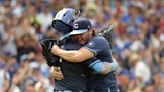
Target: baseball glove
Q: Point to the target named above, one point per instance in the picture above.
(52, 60)
(108, 36)
(107, 33)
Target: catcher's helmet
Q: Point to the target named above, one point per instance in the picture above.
(64, 19)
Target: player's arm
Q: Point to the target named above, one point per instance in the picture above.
(104, 67)
(82, 55)
(74, 55)
(86, 52)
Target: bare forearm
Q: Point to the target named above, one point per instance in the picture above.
(71, 56)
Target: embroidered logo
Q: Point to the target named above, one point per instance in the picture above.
(76, 26)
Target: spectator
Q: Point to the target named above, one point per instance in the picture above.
(139, 68)
(45, 18)
(15, 81)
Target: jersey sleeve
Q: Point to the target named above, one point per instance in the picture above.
(96, 45)
(94, 64)
(90, 61)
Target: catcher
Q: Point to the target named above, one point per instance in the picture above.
(93, 46)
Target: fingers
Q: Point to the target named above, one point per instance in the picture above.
(56, 73)
(55, 49)
(115, 64)
(114, 60)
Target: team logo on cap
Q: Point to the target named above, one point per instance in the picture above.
(76, 26)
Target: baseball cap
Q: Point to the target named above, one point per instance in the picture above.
(80, 25)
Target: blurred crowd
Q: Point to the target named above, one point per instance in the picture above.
(138, 41)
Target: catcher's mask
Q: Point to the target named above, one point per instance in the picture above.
(61, 27)
(64, 19)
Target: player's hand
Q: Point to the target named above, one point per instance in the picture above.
(56, 73)
(115, 64)
(55, 49)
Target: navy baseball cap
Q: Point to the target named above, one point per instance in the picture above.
(80, 25)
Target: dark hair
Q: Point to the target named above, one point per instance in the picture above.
(93, 33)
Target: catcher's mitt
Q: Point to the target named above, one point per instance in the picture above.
(108, 36)
(52, 60)
(107, 33)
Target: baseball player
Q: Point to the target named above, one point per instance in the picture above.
(93, 46)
